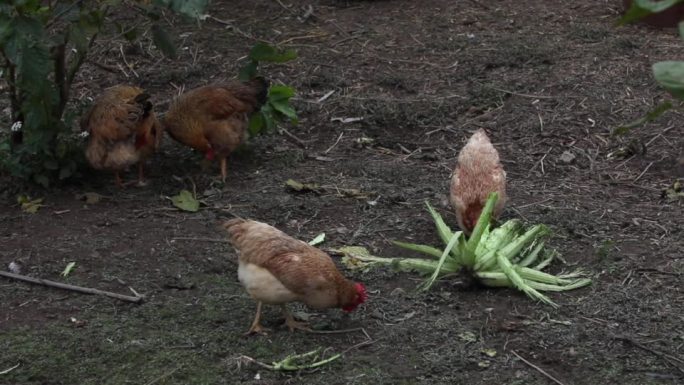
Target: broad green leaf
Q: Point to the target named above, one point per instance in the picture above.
(249, 71)
(67, 270)
(78, 37)
(191, 8)
(642, 8)
(256, 123)
(651, 115)
(163, 41)
(43, 181)
(267, 114)
(319, 239)
(185, 201)
(66, 171)
(51, 164)
(29, 205)
(280, 92)
(285, 109)
(670, 75)
(264, 52)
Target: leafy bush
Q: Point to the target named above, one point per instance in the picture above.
(42, 48)
(277, 107)
(669, 74)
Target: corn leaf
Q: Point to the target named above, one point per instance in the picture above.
(485, 258)
(429, 250)
(531, 256)
(482, 224)
(419, 265)
(443, 230)
(452, 242)
(319, 239)
(67, 270)
(570, 286)
(518, 282)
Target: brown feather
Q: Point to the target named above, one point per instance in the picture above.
(307, 272)
(478, 173)
(214, 118)
(123, 129)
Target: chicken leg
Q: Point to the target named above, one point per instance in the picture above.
(117, 180)
(224, 169)
(256, 327)
(292, 324)
(141, 175)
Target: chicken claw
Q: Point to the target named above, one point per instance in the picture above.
(256, 327)
(292, 324)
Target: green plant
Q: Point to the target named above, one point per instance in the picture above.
(277, 107)
(505, 256)
(43, 45)
(669, 74)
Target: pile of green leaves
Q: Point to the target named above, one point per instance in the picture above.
(277, 107)
(669, 74)
(506, 256)
(42, 48)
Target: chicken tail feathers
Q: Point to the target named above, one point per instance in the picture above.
(254, 92)
(143, 100)
(261, 85)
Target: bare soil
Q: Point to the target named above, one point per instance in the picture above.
(548, 80)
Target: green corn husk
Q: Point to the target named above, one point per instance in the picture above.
(499, 279)
(418, 265)
(542, 265)
(518, 282)
(499, 257)
(499, 237)
(425, 249)
(443, 230)
(531, 256)
(438, 270)
(482, 224)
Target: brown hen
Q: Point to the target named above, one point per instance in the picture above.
(123, 130)
(478, 173)
(276, 269)
(213, 119)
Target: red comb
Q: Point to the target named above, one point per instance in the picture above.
(361, 290)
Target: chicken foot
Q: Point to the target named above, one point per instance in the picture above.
(141, 174)
(291, 323)
(256, 327)
(117, 180)
(140, 182)
(224, 169)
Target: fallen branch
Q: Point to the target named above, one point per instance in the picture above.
(537, 368)
(667, 357)
(78, 289)
(10, 369)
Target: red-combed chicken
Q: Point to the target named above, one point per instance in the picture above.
(213, 119)
(123, 130)
(276, 269)
(478, 173)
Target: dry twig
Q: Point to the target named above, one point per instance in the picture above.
(78, 289)
(667, 357)
(537, 368)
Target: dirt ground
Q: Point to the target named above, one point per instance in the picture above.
(548, 80)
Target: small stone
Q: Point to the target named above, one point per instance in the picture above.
(567, 157)
(14, 268)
